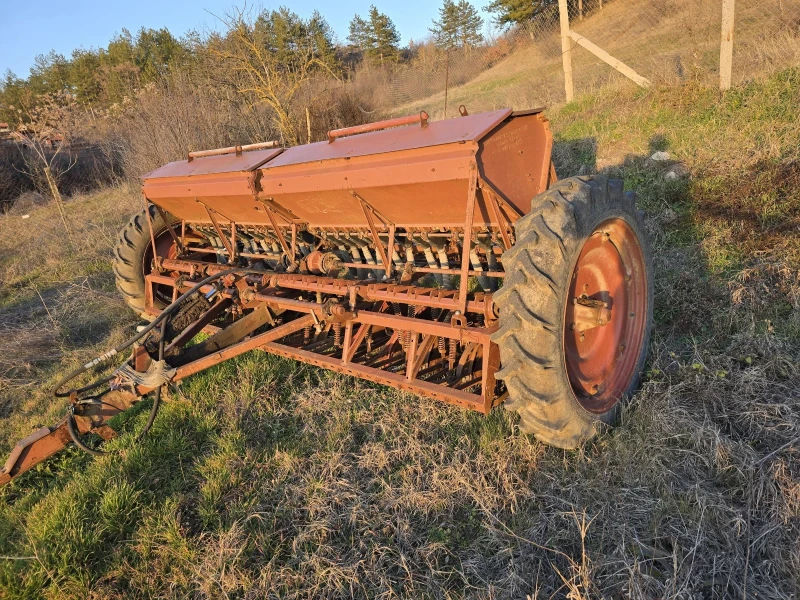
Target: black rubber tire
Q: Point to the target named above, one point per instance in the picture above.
(539, 268)
(132, 246)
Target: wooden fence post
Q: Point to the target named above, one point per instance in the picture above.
(566, 48)
(726, 45)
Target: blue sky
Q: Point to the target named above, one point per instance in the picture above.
(32, 27)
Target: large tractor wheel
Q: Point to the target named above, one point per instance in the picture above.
(576, 309)
(133, 257)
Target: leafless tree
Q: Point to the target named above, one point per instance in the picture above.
(270, 68)
(44, 139)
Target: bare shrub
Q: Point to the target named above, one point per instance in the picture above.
(165, 121)
(12, 181)
(331, 104)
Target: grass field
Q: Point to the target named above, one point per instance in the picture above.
(266, 478)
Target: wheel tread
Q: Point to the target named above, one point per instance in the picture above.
(128, 254)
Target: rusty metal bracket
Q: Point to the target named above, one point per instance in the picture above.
(273, 221)
(293, 265)
(152, 233)
(229, 244)
(285, 213)
(170, 229)
(512, 214)
(551, 175)
(351, 345)
(493, 203)
(369, 213)
(417, 359)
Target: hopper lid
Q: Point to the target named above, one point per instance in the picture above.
(447, 131)
(222, 163)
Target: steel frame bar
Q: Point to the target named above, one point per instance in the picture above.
(480, 303)
(423, 388)
(423, 269)
(170, 229)
(466, 243)
(230, 335)
(237, 349)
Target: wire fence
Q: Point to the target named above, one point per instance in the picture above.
(666, 42)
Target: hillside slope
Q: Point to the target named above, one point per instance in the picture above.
(673, 42)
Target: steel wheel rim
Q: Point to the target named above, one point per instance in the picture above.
(601, 361)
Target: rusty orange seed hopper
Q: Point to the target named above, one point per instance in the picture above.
(438, 257)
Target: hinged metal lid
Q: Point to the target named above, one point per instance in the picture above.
(447, 131)
(224, 163)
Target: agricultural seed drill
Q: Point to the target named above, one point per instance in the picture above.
(442, 258)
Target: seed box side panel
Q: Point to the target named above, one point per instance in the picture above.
(515, 158)
(422, 187)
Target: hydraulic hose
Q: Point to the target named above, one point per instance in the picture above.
(73, 433)
(128, 343)
(161, 319)
(157, 395)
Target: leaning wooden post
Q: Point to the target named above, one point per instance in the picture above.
(608, 59)
(566, 49)
(726, 45)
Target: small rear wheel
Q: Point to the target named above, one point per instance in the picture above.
(575, 309)
(133, 257)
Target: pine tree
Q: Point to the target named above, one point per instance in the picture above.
(376, 35)
(458, 26)
(291, 37)
(382, 37)
(359, 33)
(470, 23)
(510, 12)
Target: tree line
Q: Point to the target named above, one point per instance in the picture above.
(267, 74)
(107, 76)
